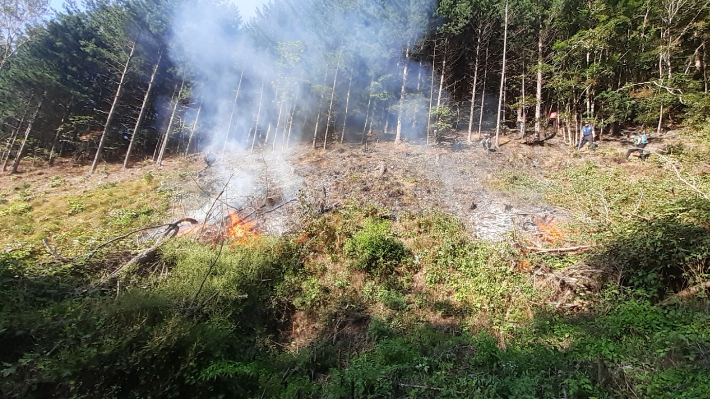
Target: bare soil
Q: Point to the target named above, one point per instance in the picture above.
(409, 177)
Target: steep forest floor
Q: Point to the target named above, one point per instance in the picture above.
(365, 271)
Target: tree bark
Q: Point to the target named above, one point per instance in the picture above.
(483, 92)
(12, 142)
(347, 105)
(538, 91)
(111, 112)
(367, 115)
(268, 129)
(398, 135)
(475, 82)
(59, 129)
(502, 74)
(170, 125)
(192, 130)
(523, 108)
(141, 114)
(258, 112)
(315, 131)
(287, 137)
(21, 151)
(441, 83)
(330, 108)
(231, 115)
(278, 124)
(431, 97)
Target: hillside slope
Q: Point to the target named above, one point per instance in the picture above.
(378, 271)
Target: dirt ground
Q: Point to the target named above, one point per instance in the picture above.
(449, 177)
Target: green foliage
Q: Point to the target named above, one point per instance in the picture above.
(131, 216)
(75, 206)
(56, 181)
(375, 250)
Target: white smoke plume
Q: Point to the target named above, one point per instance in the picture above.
(281, 68)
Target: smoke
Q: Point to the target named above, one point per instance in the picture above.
(299, 64)
(299, 71)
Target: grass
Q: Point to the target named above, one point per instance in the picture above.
(74, 222)
(361, 302)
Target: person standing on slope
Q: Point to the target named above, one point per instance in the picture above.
(588, 136)
(640, 142)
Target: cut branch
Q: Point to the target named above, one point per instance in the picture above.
(559, 250)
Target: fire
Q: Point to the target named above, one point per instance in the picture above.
(238, 228)
(549, 230)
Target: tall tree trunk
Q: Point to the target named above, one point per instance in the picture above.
(258, 112)
(441, 83)
(475, 82)
(320, 110)
(398, 135)
(367, 115)
(538, 91)
(111, 112)
(166, 138)
(278, 122)
(21, 151)
(523, 108)
(660, 121)
(502, 74)
(330, 107)
(347, 105)
(441, 88)
(287, 137)
(160, 140)
(59, 130)
(431, 97)
(12, 141)
(416, 107)
(483, 91)
(192, 130)
(387, 121)
(268, 130)
(141, 114)
(231, 115)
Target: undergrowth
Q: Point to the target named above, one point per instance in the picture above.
(364, 303)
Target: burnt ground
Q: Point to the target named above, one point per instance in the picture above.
(449, 178)
(272, 187)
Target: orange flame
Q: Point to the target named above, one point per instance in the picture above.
(239, 229)
(549, 230)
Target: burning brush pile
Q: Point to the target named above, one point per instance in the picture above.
(234, 227)
(241, 195)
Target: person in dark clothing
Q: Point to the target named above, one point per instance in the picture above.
(640, 142)
(588, 136)
(209, 158)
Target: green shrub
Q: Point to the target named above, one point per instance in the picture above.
(375, 250)
(75, 206)
(56, 181)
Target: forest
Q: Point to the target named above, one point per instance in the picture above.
(342, 232)
(117, 81)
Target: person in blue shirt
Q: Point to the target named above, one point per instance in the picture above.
(640, 142)
(588, 136)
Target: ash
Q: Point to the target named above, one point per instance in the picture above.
(269, 186)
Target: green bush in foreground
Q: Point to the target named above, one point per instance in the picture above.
(375, 250)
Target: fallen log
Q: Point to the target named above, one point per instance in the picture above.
(686, 293)
(170, 232)
(53, 252)
(559, 250)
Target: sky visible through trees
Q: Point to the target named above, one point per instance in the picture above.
(201, 76)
